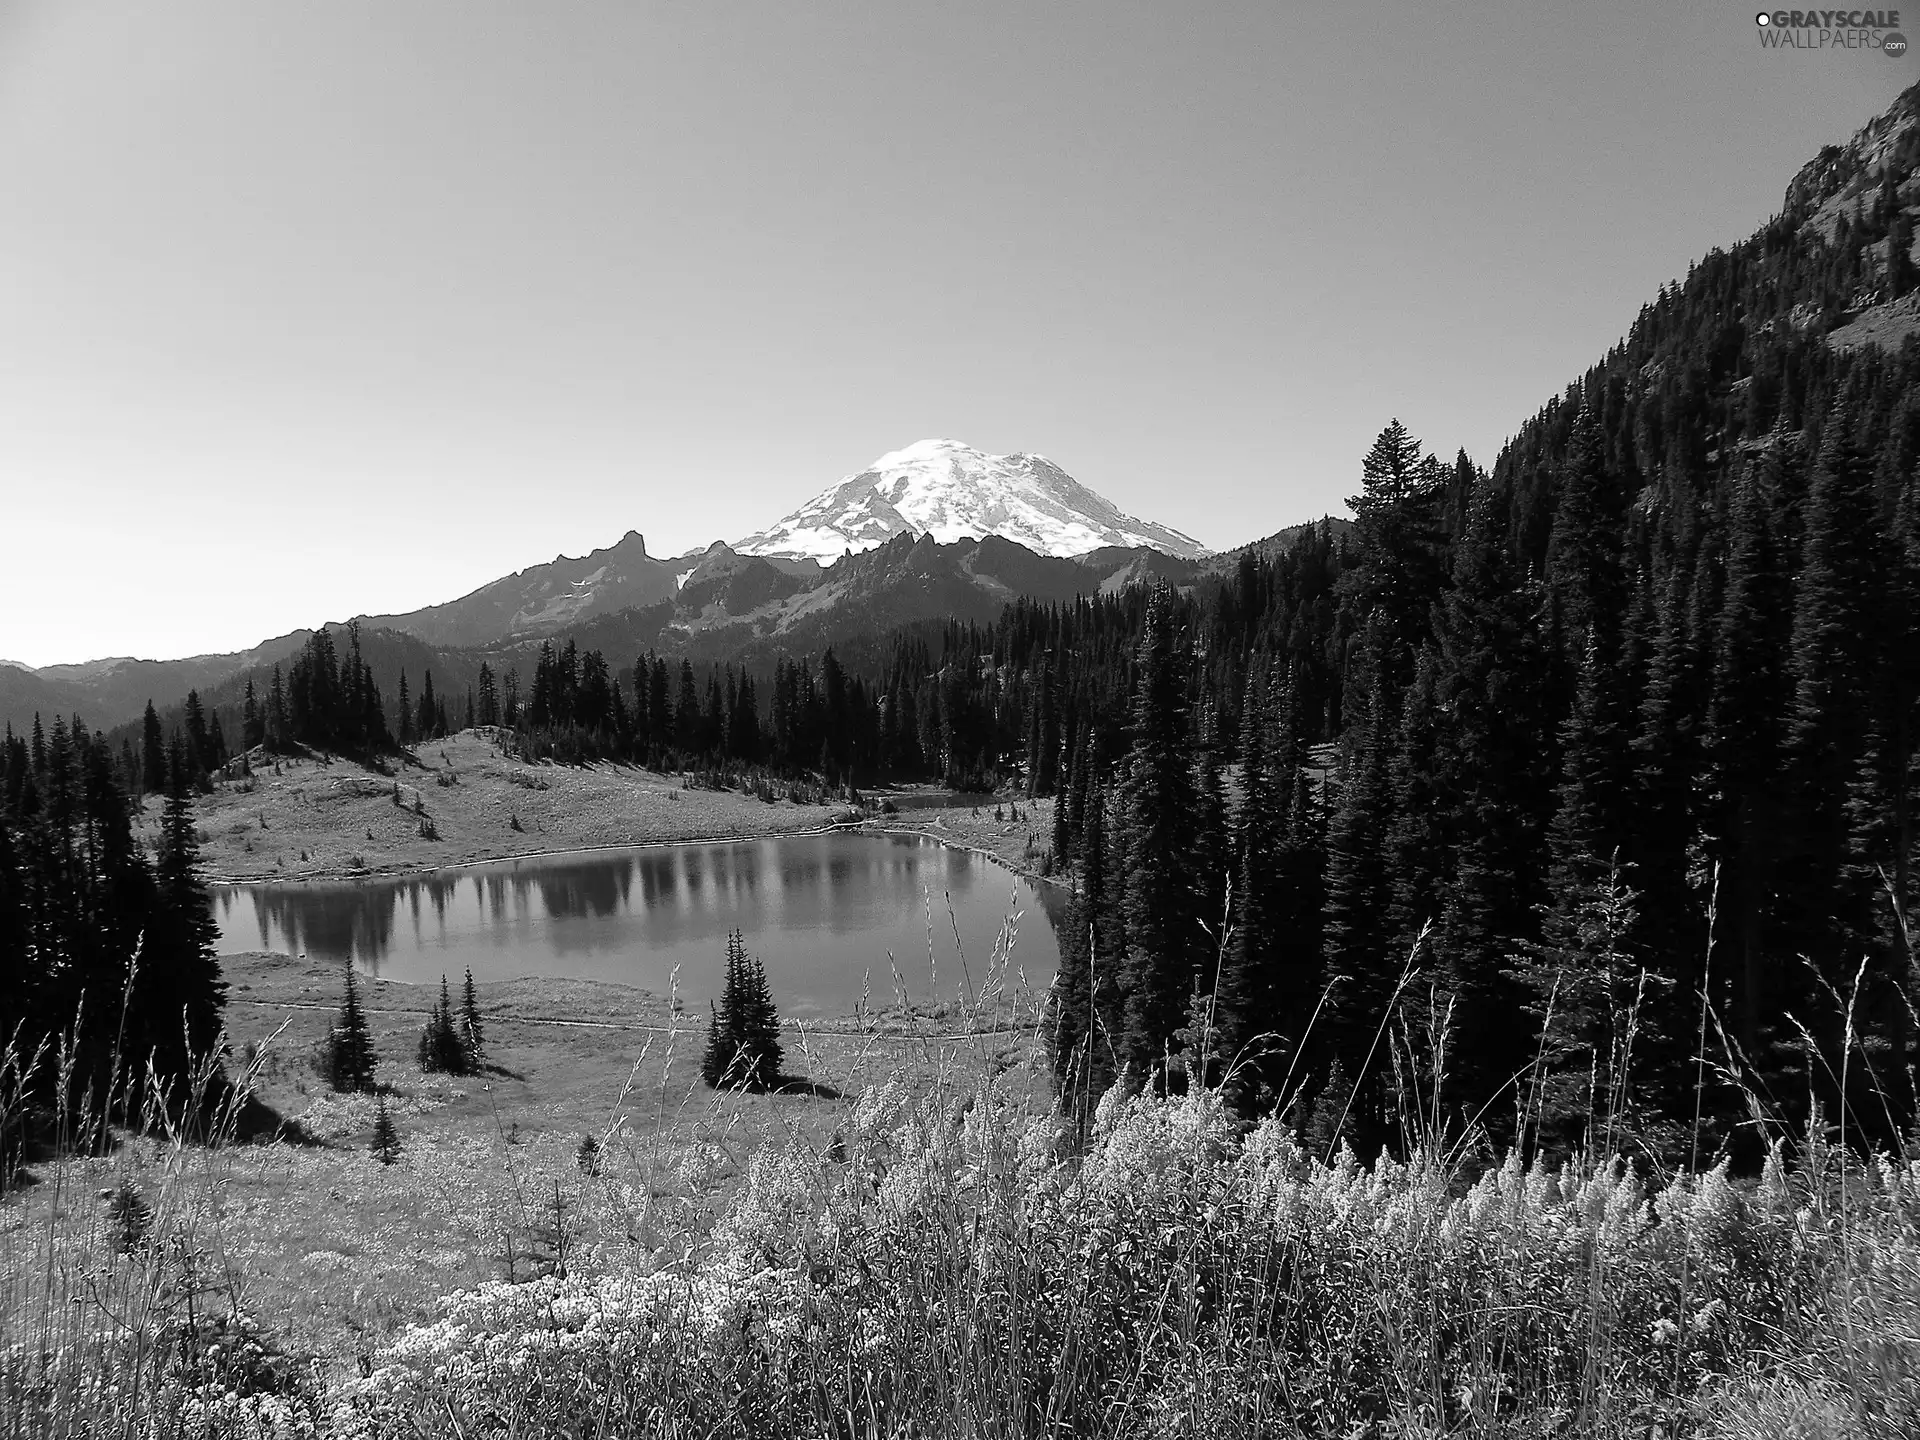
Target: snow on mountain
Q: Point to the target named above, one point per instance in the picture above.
(950, 490)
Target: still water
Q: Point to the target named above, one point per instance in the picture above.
(821, 911)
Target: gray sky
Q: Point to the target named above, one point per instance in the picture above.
(312, 309)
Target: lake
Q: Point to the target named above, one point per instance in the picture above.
(821, 911)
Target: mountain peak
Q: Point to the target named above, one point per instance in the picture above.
(950, 490)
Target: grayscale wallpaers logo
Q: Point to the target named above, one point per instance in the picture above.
(1832, 30)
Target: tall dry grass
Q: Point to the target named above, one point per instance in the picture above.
(117, 1315)
(953, 1261)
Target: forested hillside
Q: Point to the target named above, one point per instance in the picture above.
(1626, 721)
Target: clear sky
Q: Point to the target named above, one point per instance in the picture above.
(324, 308)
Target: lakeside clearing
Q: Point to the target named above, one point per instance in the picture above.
(462, 801)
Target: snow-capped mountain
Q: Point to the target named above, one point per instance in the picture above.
(951, 491)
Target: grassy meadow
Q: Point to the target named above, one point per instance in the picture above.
(343, 1252)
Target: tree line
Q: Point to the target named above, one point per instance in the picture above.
(1573, 805)
(107, 962)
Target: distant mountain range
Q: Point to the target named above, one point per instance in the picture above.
(939, 489)
(106, 692)
(935, 530)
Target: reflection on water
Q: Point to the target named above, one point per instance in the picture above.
(821, 910)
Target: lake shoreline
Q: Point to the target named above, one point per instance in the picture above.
(423, 868)
(644, 917)
(890, 826)
(327, 819)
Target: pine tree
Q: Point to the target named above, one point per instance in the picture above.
(199, 743)
(1583, 563)
(279, 720)
(743, 1036)
(1747, 702)
(1166, 944)
(1590, 822)
(386, 1139)
(1212, 848)
(1357, 889)
(350, 1045)
(1243, 1007)
(487, 710)
(1416, 853)
(1085, 1018)
(1836, 611)
(426, 714)
(1273, 980)
(716, 1059)
(153, 772)
(1494, 769)
(760, 1028)
(472, 1029)
(1662, 831)
(253, 720)
(1397, 524)
(179, 992)
(442, 1049)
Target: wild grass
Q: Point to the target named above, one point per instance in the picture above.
(938, 1255)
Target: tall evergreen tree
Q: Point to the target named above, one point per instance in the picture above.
(473, 1029)
(1836, 612)
(179, 994)
(1085, 1019)
(253, 720)
(404, 705)
(1744, 733)
(350, 1044)
(153, 772)
(743, 1038)
(1167, 947)
(487, 704)
(1245, 1006)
